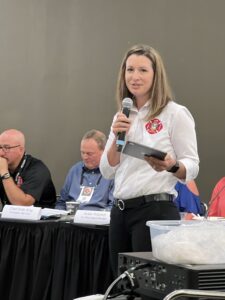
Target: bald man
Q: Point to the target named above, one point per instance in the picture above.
(24, 180)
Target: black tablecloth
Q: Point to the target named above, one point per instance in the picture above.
(49, 260)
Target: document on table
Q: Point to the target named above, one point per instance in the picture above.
(51, 212)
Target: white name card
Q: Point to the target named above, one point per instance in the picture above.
(95, 217)
(21, 212)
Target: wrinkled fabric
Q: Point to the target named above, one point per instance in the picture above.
(217, 202)
(186, 201)
(50, 260)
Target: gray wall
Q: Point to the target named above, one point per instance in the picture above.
(59, 61)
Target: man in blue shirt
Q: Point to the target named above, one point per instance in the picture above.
(84, 182)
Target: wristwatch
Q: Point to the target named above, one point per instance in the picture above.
(5, 176)
(174, 168)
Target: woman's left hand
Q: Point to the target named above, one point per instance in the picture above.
(161, 165)
(166, 164)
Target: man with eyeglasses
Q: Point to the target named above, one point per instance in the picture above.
(24, 180)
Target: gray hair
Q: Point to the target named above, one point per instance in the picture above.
(96, 135)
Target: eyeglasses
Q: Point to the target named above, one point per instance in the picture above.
(7, 148)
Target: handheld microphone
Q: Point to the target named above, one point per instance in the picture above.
(127, 104)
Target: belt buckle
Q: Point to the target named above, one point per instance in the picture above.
(158, 197)
(120, 204)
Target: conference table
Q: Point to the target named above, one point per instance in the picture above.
(52, 260)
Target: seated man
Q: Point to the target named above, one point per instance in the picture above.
(84, 182)
(188, 199)
(24, 180)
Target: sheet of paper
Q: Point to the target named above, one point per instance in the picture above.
(47, 212)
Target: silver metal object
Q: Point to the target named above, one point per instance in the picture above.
(121, 204)
(195, 294)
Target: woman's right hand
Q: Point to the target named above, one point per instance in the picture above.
(121, 124)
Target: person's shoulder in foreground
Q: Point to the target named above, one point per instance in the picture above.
(84, 182)
(25, 180)
(217, 201)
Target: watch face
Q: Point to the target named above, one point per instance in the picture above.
(5, 176)
(175, 168)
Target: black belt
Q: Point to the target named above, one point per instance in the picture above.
(135, 202)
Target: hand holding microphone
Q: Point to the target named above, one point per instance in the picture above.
(123, 123)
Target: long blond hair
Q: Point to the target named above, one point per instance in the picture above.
(160, 93)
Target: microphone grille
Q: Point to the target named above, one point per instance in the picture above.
(127, 102)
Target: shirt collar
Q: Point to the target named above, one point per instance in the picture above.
(145, 106)
(85, 169)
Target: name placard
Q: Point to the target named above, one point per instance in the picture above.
(92, 217)
(21, 212)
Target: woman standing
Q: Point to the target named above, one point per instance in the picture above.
(144, 189)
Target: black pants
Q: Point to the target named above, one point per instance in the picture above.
(128, 231)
